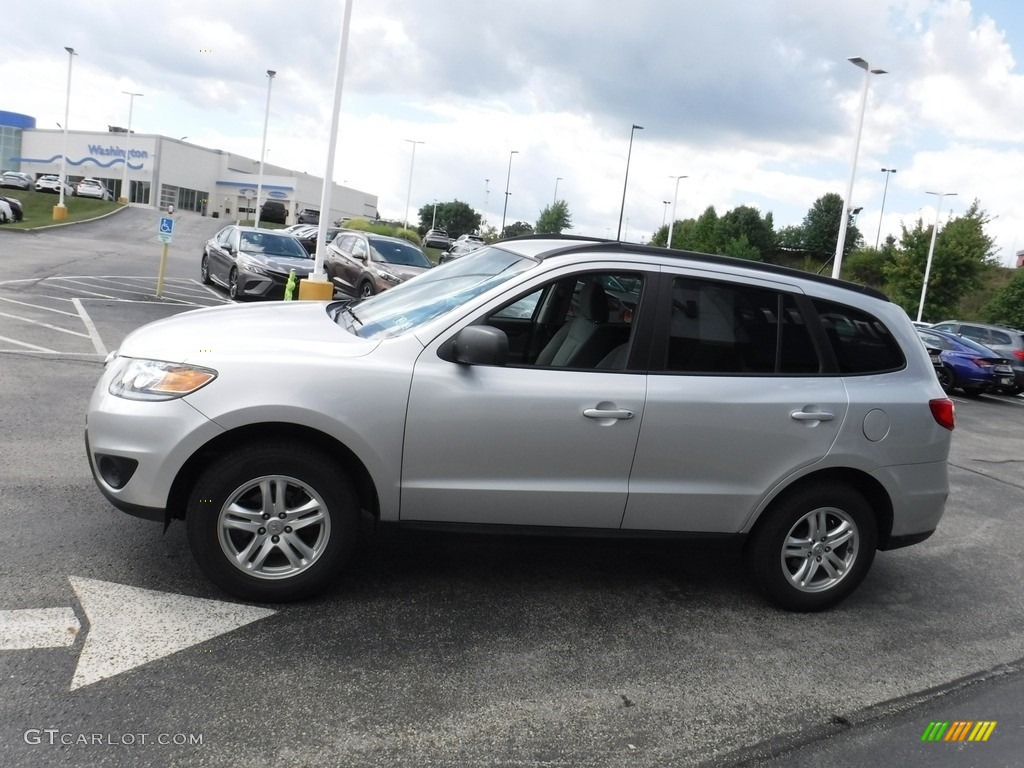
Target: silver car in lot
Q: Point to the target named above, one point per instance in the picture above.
(794, 413)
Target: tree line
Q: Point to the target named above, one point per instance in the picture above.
(966, 280)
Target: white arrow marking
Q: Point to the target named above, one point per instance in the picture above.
(38, 628)
(129, 627)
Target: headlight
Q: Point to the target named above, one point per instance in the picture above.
(387, 275)
(156, 380)
(256, 269)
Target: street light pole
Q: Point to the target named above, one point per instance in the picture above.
(931, 249)
(622, 209)
(675, 197)
(60, 211)
(263, 146)
(554, 200)
(664, 211)
(837, 262)
(127, 147)
(508, 180)
(408, 193)
(887, 172)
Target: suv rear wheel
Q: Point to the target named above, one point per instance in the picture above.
(272, 521)
(814, 547)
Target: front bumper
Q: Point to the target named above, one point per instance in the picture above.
(153, 439)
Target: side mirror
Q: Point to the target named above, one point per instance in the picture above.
(481, 345)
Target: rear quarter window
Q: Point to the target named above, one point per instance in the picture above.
(861, 342)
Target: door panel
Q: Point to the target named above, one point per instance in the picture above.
(513, 446)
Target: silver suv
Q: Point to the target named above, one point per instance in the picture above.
(546, 384)
(1008, 342)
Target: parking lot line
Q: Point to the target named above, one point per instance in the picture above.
(38, 306)
(97, 342)
(26, 344)
(45, 325)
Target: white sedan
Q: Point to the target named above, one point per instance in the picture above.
(93, 188)
(52, 184)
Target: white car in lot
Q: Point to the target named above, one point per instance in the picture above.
(798, 415)
(93, 188)
(50, 183)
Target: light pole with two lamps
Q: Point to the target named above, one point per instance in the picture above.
(885, 189)
(60, 211)
(408, 192)
(837, 262)
(508, 180)
(263, 147)
(127, 148)
(675, 197)
(625, 182)
(931, 250)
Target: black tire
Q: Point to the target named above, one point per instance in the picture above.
(233, 284)
(945, 376)
(973, 391)
(849, 540)
(204, 270)
(235, 515)
(366, 289)
(1012, 391)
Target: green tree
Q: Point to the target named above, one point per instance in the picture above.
(516, 230)
(457, 217)
(743, 233)
(1007, 307)
(821, 229)
(962, 253)
(867, 266)
(701, 236)
(554, 219)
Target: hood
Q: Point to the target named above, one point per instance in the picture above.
(277, 329)
(400, 270)
(282, 264)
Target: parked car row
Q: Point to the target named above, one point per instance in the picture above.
(51, 183)
(964, 364)
(255, 263)
(1007, 342)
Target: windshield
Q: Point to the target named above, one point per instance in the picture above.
(399, 253)
(273, 245)
(433, 293)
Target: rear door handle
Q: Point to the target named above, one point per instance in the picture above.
(812, 415)
(597, 413)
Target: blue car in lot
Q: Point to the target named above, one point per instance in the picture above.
(966, 364)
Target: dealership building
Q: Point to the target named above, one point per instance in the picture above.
(163, 171)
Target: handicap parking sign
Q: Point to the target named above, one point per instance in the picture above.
(166, 225)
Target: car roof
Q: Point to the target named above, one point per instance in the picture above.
(546, 246)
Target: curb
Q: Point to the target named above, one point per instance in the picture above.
(44, 227)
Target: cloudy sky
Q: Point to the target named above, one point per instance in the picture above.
(755, 102)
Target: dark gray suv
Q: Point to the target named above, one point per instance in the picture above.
(1008, 342)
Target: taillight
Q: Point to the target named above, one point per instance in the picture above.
(981, 362)
(943, 412)
(1019, 354)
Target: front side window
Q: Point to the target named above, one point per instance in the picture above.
(726, 328)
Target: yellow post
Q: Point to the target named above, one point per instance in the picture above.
(60, 212)
(160, 274)
(311, 289)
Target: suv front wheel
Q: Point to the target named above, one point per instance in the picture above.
(814, 547)
(272, 521)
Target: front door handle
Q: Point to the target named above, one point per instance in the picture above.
(812, 415)
(597, 413)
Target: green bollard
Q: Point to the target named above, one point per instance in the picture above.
(289, 287)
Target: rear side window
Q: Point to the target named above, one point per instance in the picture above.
(726, 328)
(861, 343)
